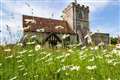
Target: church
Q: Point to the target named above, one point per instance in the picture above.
(72, 29)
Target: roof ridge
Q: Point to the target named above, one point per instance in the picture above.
(44, 18)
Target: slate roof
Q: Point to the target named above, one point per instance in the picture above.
(40, 24)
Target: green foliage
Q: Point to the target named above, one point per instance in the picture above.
(114, 40)
(85, 63)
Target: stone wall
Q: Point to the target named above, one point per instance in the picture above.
(68, 16)
(40, 36)
(77, 17)
(36, 35)
(97, 38)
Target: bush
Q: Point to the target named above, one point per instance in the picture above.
(114, 40)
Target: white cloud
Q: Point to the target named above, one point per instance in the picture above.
(21, 8)
(2, 13)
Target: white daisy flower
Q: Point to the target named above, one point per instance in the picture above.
(19, 61)
(108, 79)
(20, 44)
(24, 74)
(96, 48)
(114, 51)
(99, 57)
(21, 69)
(66, 55)
(115, 63)
(19, 56)
(30, 43)
(65, 36)
(91, 67)
(34, 36)
(40, 30)
(83, 47)
(58, 70)
(59, 27)
(20, 66)
(14, 78)
(36, 75)
(9, 57)
(58, 57)
(70, 67)
(7, 50)
(37, 47)
(75, 68)
(110, 61)
(50, 59)
(63, 60)
(108, 55)
(45, 56)
(0, 64)
(30, 20)
(71, 51)
(31, 55)
(21, 52)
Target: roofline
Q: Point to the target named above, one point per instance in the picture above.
(49, 32)
(102, 33)
(44, 18)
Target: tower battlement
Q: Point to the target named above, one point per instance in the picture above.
(86, 8)
(77, 17)
(73, 4)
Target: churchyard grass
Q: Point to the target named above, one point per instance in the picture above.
(74, 63)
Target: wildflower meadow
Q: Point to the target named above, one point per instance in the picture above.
(33, 62)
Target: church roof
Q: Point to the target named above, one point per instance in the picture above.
(39, 24)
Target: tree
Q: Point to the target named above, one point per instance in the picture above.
(114, 40)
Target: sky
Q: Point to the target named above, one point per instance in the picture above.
(104, 15)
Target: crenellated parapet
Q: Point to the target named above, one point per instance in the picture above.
(85, 8)
(73, 4)
(77, 17)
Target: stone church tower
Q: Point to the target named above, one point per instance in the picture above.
(77, 17)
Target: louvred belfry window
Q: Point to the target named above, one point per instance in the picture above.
(81, 14)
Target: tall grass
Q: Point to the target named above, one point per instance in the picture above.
(86, 63)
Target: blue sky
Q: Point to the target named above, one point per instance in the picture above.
(104, 14)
